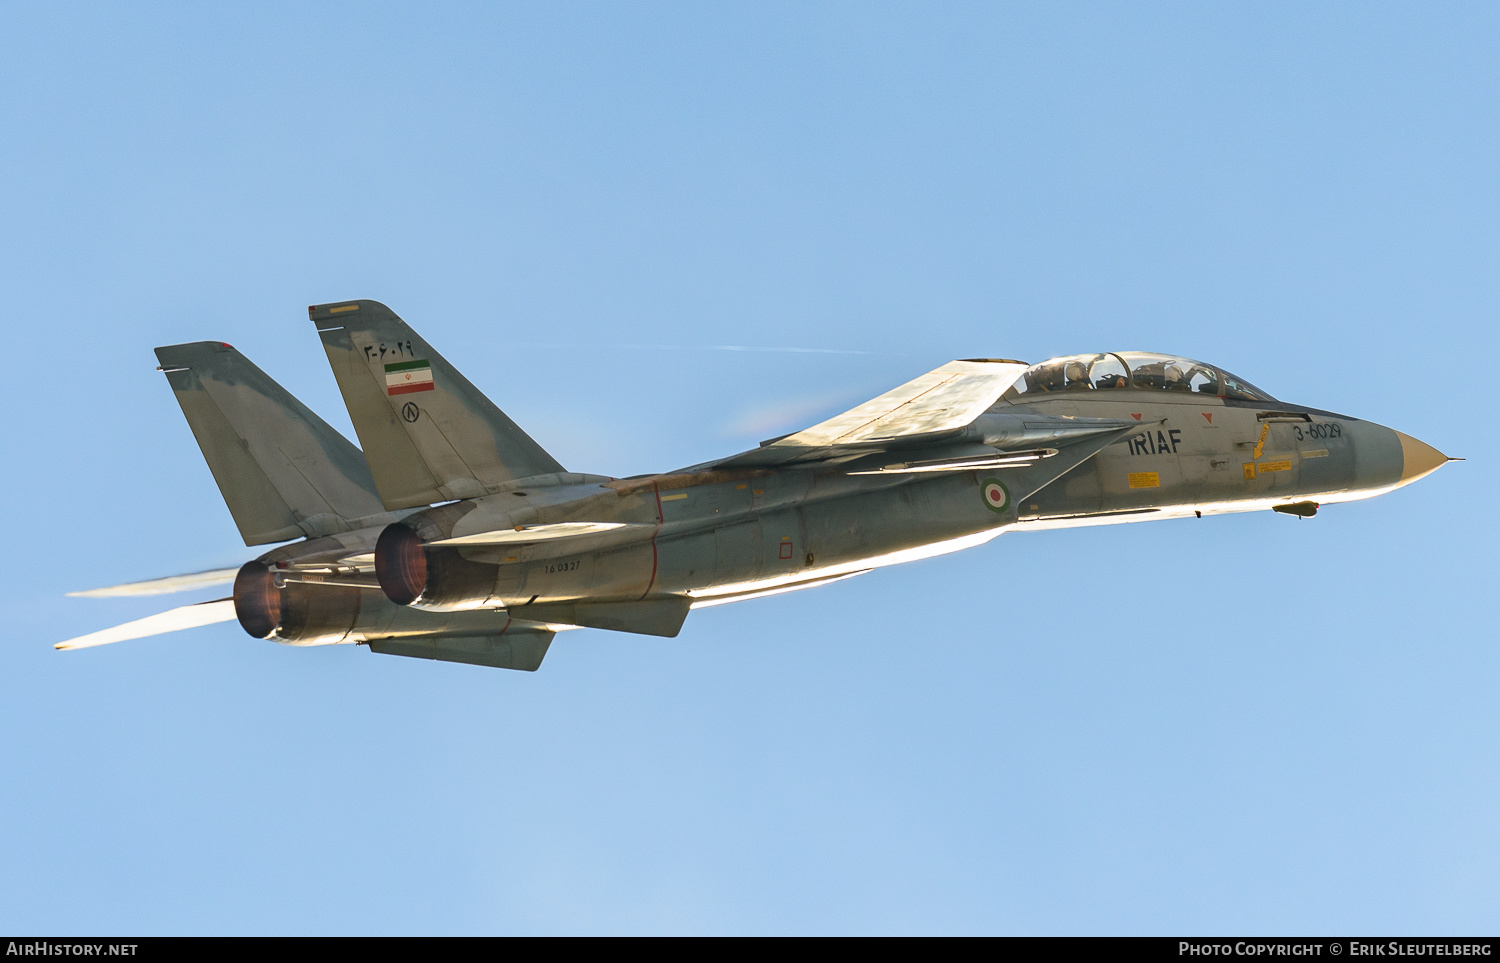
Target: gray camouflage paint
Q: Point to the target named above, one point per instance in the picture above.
(883, 483)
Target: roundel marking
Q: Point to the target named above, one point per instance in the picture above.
(996, 495)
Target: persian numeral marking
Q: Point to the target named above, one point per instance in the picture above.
(401, 349)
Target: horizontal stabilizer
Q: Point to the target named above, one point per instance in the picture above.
(662, 617)
(172, 620)
(523, 650)
(162, 586)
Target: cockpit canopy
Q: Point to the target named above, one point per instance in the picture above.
(1132, 369)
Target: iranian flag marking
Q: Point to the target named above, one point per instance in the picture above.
(404, 377)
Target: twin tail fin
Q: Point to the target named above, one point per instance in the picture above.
(284, 472)
(427, 433)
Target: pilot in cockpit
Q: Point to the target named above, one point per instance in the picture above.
(1076, 374)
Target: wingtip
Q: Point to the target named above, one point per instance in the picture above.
(172, 620)
(160, 586)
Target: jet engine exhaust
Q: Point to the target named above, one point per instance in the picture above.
(292, 613)
(434, 579)
(257, 600)
(401, 564)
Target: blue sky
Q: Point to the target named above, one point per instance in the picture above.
(1248, 724)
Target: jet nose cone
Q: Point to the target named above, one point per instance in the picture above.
(1418, 458)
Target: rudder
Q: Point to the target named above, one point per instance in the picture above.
(283, 471)
(428, 434)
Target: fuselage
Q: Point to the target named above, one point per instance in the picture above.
(1204, 446)
(1208, 455)
(453, 535)
(723, 534)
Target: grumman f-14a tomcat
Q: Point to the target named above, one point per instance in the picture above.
(455, 536)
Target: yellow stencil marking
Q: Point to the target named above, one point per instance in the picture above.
(1143, 479)
(1316, 453)
(672, 498)
(1275, 466)
(1249, 470)
(1260, 443)
(343, 308)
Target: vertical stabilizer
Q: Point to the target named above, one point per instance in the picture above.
(428, 434)
(283, 471)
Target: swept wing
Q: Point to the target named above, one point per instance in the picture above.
(943, 399)
(161, 586)
(940, 421)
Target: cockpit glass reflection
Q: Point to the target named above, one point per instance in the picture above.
(1133, 369)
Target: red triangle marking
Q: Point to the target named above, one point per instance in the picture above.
(1135, 416)
(1208, 416)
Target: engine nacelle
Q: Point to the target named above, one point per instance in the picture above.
(317, 613)
(431, 578)
(257, 600)
(293, 613)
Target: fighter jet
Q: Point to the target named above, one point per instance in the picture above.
(457, 537)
